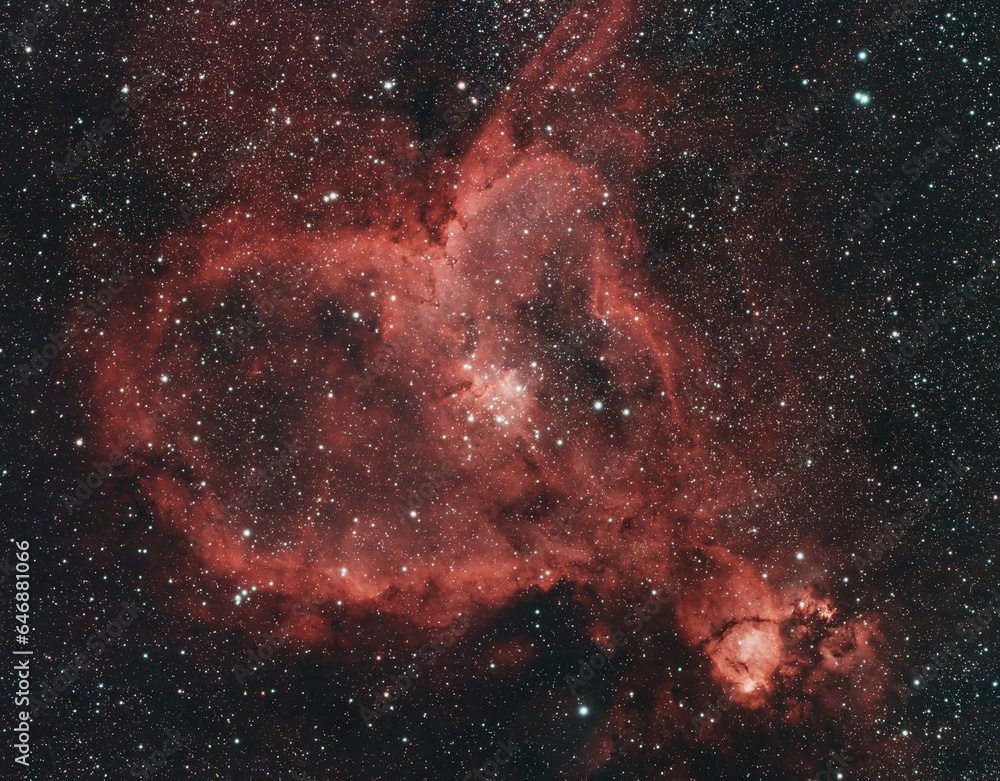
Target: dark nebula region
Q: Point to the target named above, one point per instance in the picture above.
(448, 325)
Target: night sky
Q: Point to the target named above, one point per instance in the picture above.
(477, 389)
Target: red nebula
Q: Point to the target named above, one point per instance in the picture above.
(482, 337)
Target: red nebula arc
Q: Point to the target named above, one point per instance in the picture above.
(483, 338)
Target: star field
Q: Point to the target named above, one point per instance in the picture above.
(555, 390)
